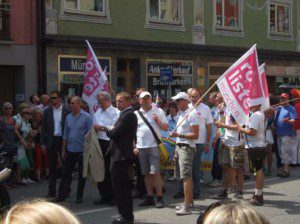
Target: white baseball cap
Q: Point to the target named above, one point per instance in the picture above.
(181, 95)
(145, 93)
(255, 102)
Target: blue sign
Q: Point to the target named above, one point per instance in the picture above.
(77, 64)
(166, 75)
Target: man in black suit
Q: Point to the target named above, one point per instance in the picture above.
(51, 136)
(121, 153)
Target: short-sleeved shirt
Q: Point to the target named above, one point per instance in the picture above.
(185, 127)
(106, 118)
(76, 127)
(145, 138)
(256, 121)
(205, 118)
(232, 138)
(284, 128)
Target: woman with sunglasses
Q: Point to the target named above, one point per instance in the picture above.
(7, 138)
(24, 133)
(40, 157)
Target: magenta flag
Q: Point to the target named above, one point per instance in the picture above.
(95, 80)
(264, 87)
(236, 83)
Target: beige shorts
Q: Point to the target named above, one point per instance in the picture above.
(185, 160)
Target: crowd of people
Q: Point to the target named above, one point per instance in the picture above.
(46, 140)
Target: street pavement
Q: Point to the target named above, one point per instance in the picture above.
(282, 202)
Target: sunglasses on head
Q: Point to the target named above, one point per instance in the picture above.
(54, 97)
(27, 112)
(204, 213)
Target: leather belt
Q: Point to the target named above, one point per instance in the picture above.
(183, 145)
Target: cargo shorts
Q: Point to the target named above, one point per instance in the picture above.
(231, 157)
(185, 155)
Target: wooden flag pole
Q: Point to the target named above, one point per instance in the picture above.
(111, 89)
(279, 104)
(196, 104)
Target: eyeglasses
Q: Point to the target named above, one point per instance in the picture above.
(8, 108)
(204, 213)
(54, 97)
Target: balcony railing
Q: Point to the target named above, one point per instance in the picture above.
(5, 21)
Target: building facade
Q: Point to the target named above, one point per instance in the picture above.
(18, 50)
(168, 46)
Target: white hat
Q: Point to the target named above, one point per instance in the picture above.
(145, 93)
(181, 95)
(255, 102)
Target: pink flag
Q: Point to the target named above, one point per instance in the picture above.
(264, 87)
(236, 83)
(95, 80)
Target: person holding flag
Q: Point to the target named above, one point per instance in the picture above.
(187, 132)
(257, 148)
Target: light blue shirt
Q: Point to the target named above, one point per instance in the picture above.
(76, 127)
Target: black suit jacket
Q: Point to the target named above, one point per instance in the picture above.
(122, 136)
(47, 132)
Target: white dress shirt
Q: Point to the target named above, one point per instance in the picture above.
(57, 121)
(106, 118)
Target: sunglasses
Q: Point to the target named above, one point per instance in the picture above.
(204, 213)
(8, 108)
(23, 113)
(54, 97)
(178, 100)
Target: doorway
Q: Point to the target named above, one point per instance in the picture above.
(128, 74)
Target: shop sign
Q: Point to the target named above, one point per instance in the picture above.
(178, 67)
(76, 64)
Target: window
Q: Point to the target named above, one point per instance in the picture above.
(86, 10)
(165, 14)
(280, 19)
(164, 10)
(4, 20)
(86, 5)
(48, 4)
(227, 14)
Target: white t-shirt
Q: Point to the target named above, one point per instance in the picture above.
(145, 138)
(106, 118)
(204, 116)
(257, 122)
(231, 137)
(185, 127)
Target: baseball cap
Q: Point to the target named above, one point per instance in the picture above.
(181, 95)
(255, 102)
(284, 95)
(145, 93)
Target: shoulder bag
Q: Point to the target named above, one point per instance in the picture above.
(163, 153)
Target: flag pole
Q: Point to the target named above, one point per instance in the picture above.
(111, 89)
(279, 104)
(196, 104)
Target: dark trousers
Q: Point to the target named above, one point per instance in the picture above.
(121, 187)
(216, 171)
(53, 153)
(105, 187)
(72, 158)
(140, 186)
